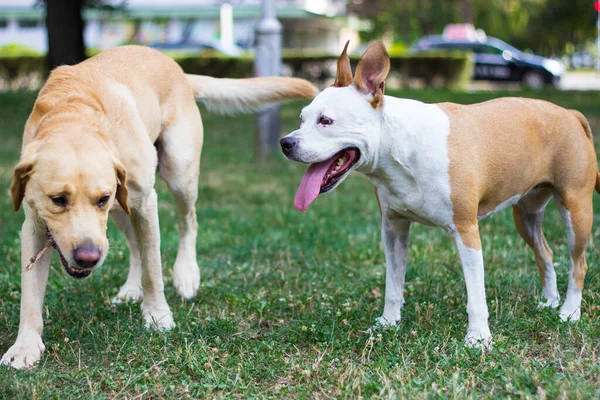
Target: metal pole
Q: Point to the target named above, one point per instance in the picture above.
(226, 20)
(267, 63)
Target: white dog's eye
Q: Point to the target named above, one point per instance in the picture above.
(323, 120)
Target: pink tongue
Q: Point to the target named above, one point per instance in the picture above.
(311, 183)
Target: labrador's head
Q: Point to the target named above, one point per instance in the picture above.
(71, 182)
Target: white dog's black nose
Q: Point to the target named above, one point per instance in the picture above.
(288, 144)
(86, 256)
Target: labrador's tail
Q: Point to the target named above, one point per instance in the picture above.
(230, 96)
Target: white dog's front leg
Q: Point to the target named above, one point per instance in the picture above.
(471, 258)
(394, 235)
(155, 310)
(28, 347)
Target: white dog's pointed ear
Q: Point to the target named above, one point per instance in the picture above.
(343, 75)
(371, 72)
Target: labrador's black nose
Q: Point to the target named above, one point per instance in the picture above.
(288, 144)
(86, 256)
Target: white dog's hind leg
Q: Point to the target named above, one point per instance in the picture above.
(132, 289)
(144, 219)
(28, 346)
(179, 164)
(577, 214)
(394, 234)
(528, 214)
(471, 258)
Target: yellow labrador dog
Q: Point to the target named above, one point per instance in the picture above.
(92, 144)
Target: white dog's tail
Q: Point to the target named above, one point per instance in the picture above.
(228, 96)
(588, 132)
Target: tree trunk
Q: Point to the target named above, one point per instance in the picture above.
(65, 32)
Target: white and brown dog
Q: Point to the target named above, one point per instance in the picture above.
(92, 144)
(449, 165)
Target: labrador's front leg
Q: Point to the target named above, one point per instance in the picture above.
(28, 347)
(144, 218)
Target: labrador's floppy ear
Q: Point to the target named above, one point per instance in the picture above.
(22, 173)
(122, 195)
(343, 75)
(371, 72)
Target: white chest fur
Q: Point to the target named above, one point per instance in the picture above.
(412, 173)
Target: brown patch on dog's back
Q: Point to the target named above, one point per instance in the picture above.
(549, 142)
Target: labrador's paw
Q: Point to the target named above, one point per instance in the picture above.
(128, 294)
(158, 319)
(186, 278)
(24, 353)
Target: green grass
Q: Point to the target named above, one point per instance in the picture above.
(286, 296)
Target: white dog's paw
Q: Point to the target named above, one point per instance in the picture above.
(481, 339)
(158, 320)
(23, 355)
(186, 279)
(382, 323)
(567, 314)
(127, 294)
(549, 303)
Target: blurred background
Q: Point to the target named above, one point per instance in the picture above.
(460, 44)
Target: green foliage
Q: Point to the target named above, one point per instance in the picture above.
(286, 296)
(441, 69)
(217, 66)
(438, 69)
(398, 49)
(445, 69)
(544, 26)
(21, 72)
(17, 50)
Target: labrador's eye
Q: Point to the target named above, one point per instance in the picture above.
(323, 120)
(60, 201)
(103, 200)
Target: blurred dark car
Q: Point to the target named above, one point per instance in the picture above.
(496, 60)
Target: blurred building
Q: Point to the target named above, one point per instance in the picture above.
(308, 24)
